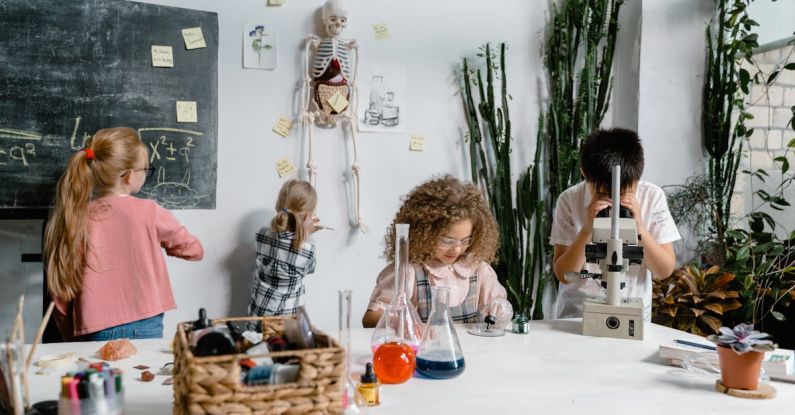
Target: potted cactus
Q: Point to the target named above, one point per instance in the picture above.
(740, 351)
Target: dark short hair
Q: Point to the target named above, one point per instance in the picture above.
(603, 149)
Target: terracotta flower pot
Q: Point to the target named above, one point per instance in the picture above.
(740, 371)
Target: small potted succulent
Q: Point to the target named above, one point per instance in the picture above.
(740, 351)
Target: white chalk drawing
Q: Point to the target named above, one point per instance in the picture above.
(168, 152)
(174, 195)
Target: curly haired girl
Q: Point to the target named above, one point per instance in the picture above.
(453, 237)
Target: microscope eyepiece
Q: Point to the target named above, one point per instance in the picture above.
(622, 213)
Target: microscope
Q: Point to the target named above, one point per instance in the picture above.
(614, 248)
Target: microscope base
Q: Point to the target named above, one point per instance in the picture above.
(623, 321)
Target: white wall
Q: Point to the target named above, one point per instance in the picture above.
(661, 73)
(429, 38)
(775, 19)
(671, 76)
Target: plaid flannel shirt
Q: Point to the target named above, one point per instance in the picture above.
(278, 284)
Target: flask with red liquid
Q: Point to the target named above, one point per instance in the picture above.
(397, 335)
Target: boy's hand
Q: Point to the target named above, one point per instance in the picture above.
(629, 201)
(598, 203)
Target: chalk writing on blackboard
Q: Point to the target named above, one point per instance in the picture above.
(96, 71)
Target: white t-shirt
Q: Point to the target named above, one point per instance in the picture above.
(567, 222)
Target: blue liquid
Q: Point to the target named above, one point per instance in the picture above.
(435, 369)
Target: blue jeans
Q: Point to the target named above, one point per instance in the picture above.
(148, 328)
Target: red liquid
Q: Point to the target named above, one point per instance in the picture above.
(394, 362)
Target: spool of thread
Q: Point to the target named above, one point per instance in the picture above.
(55, 361)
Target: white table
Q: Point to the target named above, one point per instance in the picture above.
(552, 370)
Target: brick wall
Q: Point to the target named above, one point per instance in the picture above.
(771, 109)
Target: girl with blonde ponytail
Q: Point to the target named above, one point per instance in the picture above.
(103, 247)
(284, 254)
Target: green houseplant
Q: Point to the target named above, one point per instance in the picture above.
(749, 246)
(519, 215)
(740, 351)
(694, 300)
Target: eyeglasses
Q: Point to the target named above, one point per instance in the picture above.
(450, 243)
(150, 171)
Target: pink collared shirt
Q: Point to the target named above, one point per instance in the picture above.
(455, 277)
(125, 278)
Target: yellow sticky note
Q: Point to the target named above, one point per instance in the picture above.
(417, 142)
(162, 56)
(275, 2)
(194, 38)
(186, 111)
(283, 127)
(338, 102)
(381, 31)
(284, 167)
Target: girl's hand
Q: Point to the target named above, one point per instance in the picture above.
(313, 225)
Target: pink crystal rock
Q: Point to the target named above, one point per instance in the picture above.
(117, 350)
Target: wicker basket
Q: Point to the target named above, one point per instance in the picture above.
(211, 385)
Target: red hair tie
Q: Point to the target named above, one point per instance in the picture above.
(89, 153)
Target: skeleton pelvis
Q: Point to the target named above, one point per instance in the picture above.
(325, 91)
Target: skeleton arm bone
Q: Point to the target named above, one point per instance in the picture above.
(312, 42)
(307, 118)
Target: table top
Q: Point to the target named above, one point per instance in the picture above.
(553, 370)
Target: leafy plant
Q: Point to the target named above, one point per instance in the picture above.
(766, 266)
(520, 259)
(694, 300)
(578, 56)
(742, 339)
(749, 246)
(729, 41)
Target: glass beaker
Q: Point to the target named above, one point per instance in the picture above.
(400, 321)
(390, 113)
(352, 400)
(440, 355)
(492, 318)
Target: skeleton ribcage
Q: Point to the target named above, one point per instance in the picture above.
(328, 49)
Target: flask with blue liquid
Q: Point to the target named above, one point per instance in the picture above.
(440, 355)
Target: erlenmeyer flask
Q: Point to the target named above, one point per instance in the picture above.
(440, 355)
(396, 337)
(352, 400)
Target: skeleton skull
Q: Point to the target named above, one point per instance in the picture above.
(335, 17)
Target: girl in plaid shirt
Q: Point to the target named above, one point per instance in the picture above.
(284, 254)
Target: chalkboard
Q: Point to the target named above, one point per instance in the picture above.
(71, 67)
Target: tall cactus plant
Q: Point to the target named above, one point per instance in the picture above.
(578, 56)
(520, 258)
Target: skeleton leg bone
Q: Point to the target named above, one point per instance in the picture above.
(350, 123)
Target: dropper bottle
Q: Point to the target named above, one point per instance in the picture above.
(369, 387)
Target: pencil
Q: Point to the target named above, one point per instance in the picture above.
(42, 327)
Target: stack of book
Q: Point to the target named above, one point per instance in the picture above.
(778, 364)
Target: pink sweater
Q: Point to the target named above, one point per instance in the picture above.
(126, 279)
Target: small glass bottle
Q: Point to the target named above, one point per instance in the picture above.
(440, 355)
(377, 94)
(352, 400)
(368, 386)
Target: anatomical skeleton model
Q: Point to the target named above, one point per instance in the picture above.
(329, 88)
